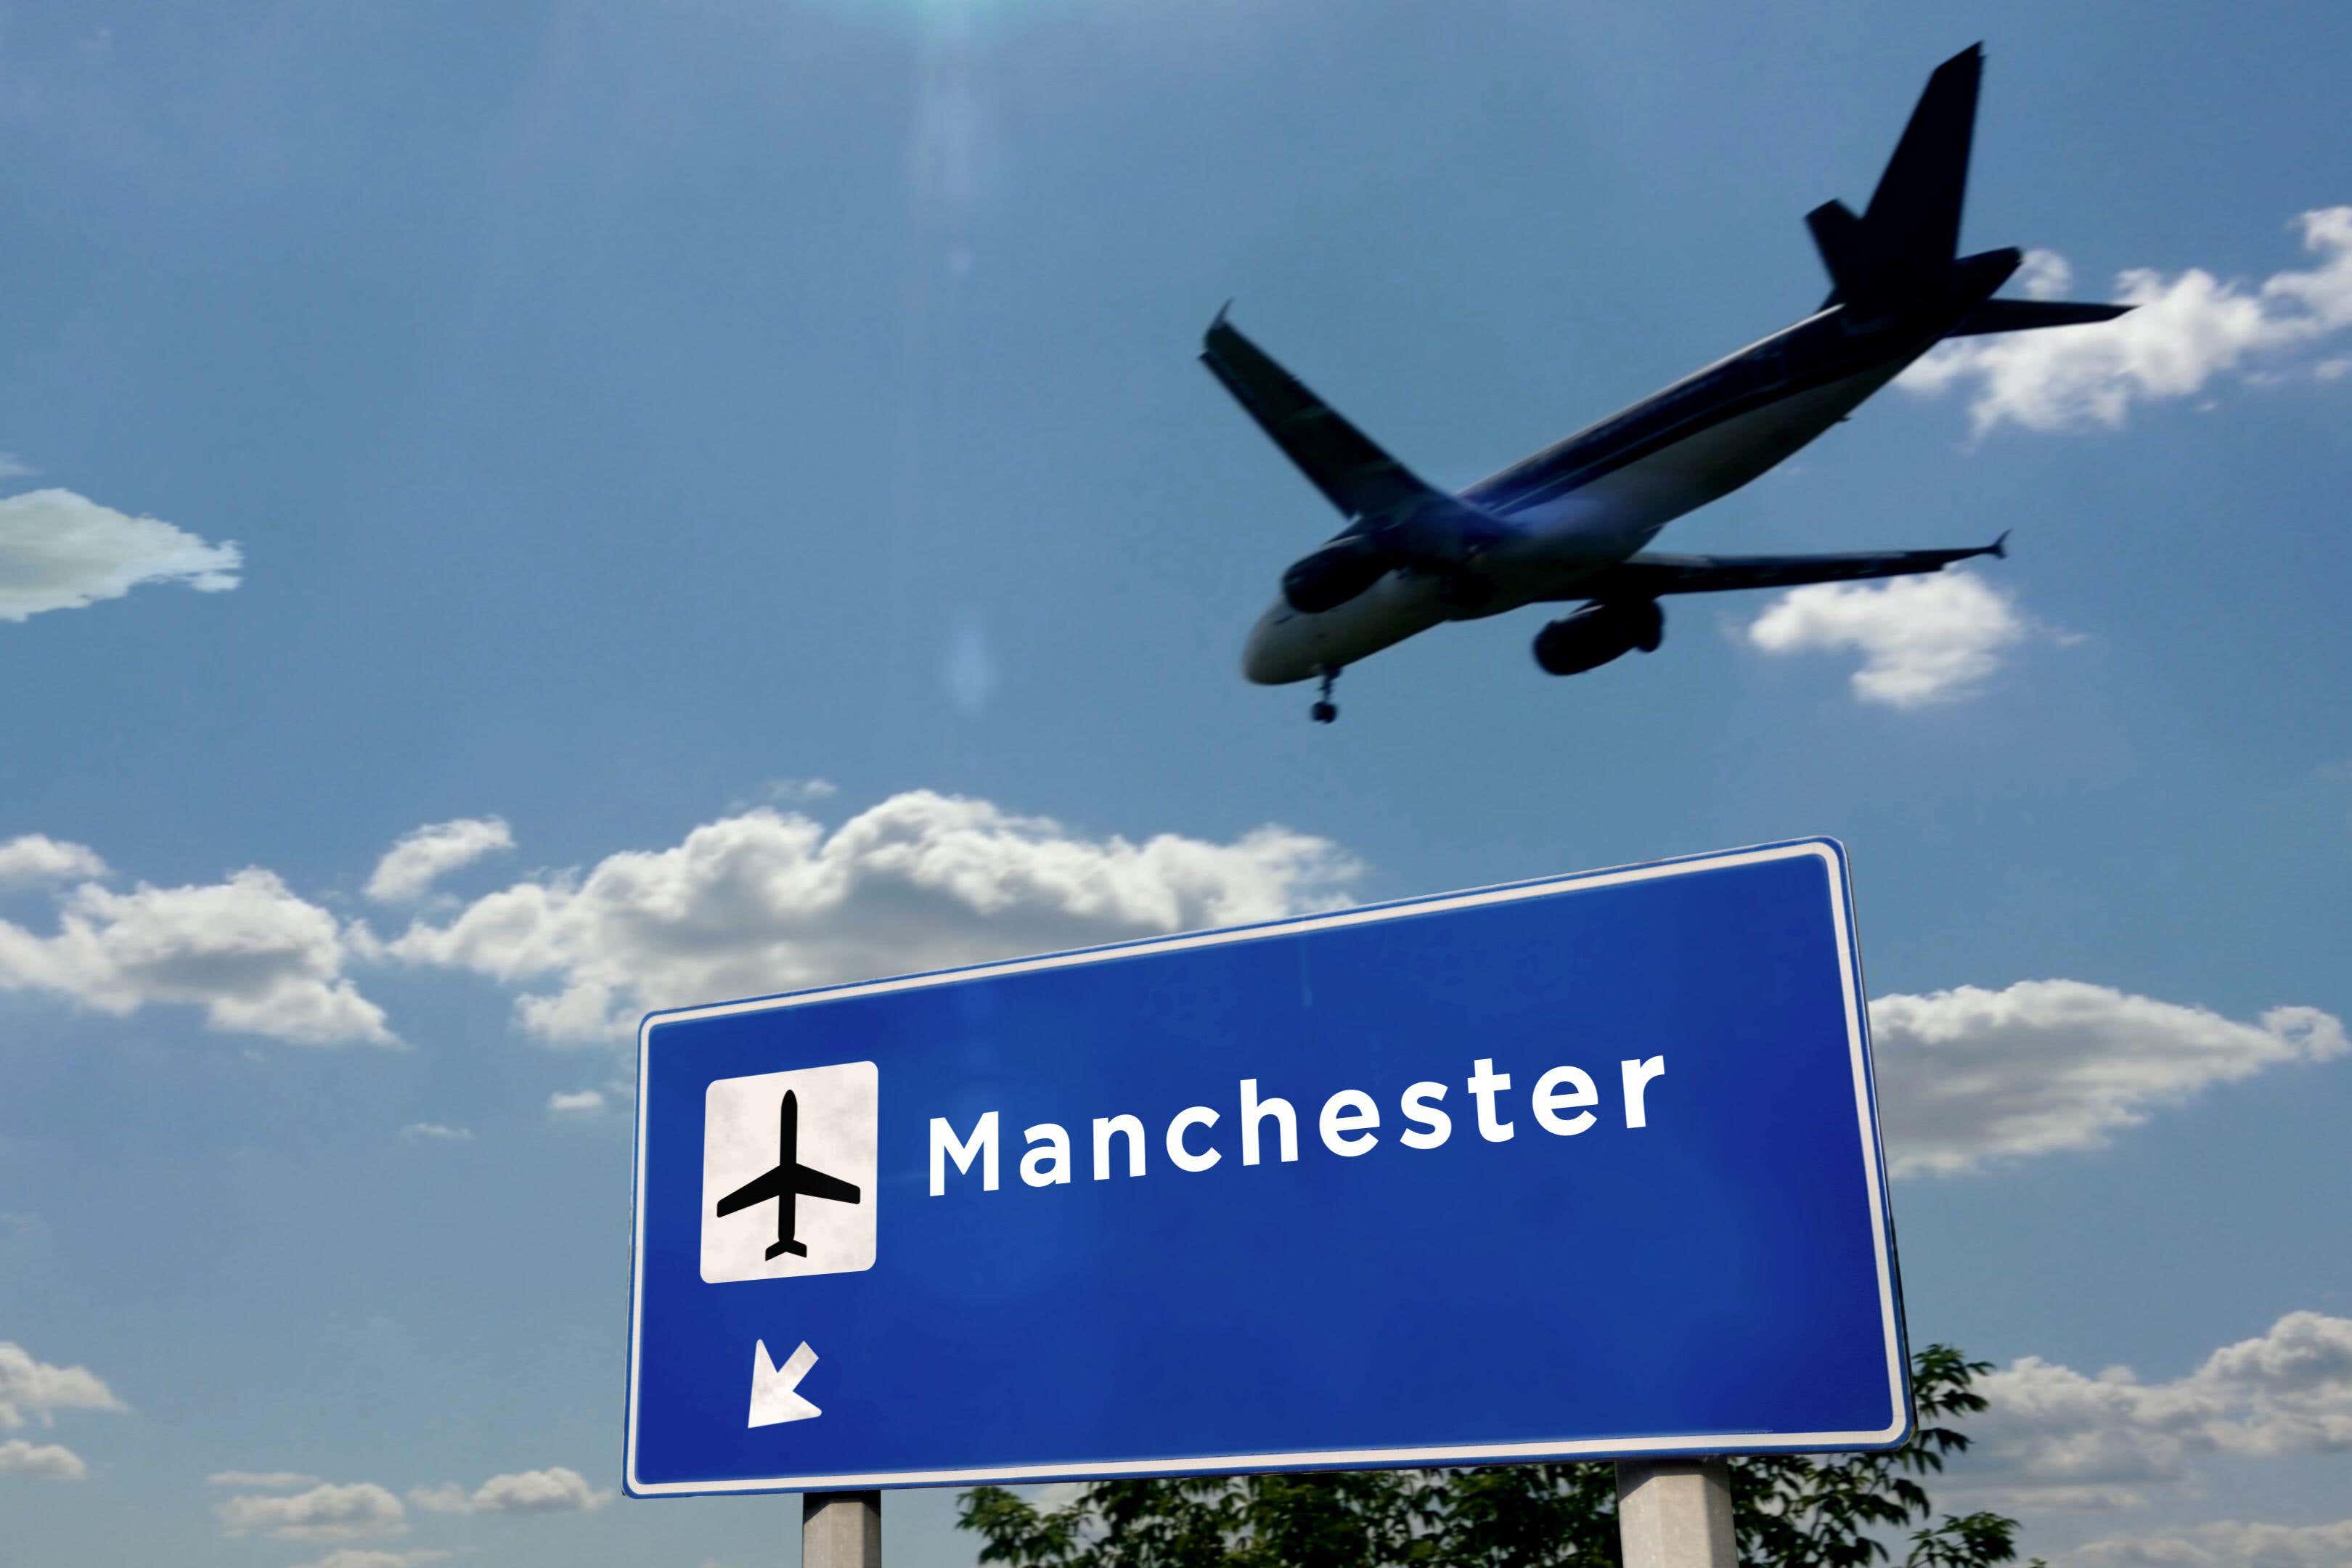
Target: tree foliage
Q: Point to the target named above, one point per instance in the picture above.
(1837, 1511)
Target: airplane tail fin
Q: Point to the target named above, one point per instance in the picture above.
(1906, 242)
(1910, 232)
(1916, 211)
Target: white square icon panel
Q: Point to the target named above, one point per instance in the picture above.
(788, 1166)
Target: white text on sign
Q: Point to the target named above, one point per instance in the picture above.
(1349, 1126)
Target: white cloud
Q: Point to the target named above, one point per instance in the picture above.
(372, 1557)
(267, 1480)
(37, 858)
(1923, 640)
(1968, 1075)
(40, 1461)
(35, 1390)
(575, 1102)
(557, 1490)
(322, 1513)
(769, 900)
(436, 1132)
(255, 956)
(2225, 1543)
(2188, 329)
(59, 550)
(13, 467)
(2044, 275)
(422, 858)
(2056, 1438)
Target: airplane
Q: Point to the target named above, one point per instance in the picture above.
(786, 1182)
(1570, 522)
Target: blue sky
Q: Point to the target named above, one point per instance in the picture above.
(762, 442)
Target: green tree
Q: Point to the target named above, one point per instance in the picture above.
(1837, 1511)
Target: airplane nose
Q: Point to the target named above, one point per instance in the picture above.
(1267, 659)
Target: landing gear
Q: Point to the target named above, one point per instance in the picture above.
(1325, 710)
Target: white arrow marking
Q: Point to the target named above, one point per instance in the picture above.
(773, 1395)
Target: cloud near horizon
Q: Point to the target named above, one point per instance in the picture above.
(41, 1461)
(2189, 329)
(556, 1489)
(2055, 1438)
(263, 1479)
(326, 1512)
(375, 1557)
(59, 550)
(2223, 1544)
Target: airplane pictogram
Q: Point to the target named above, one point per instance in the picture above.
(787, 1182)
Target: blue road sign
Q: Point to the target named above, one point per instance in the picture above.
(1570, 1169)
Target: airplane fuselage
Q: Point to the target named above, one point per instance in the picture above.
(1587, 503)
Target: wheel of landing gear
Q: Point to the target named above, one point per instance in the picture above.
(1325, 712)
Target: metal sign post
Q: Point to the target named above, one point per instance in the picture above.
(1585, 1168)
(1675, 1513)
(841, 1530)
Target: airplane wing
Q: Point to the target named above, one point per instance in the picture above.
(1375, 490)
(818, 1184)
(757, 1191)
(1358, 477)
(1646, 575)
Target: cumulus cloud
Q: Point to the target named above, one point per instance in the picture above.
(2056, 1438)
(1923, 640)
(327, 1513)
(59, 550)
(36, 858)
(769, 900)
(34, 1390)
(2225, 1543)
(436, 1132)
(575, 1102)
(1968, 1077)
(258, 958)
(373, 1557)
(557, 1490)
(40, 1461)
(412, 866)
(2189, 329)
(265, 1480)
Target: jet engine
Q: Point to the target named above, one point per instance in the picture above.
(1334, 575)
(1599, 633)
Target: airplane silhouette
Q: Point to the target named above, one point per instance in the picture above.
(787, 1181)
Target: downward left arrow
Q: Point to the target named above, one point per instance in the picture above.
(774, 1396)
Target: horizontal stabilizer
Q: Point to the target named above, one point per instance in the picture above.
(1846, 252)
(1646, 577)
(2026, 315)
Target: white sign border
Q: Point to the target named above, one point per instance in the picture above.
(1828, 851)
